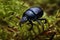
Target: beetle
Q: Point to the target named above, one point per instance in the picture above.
(32, 14)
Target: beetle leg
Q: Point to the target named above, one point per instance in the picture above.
(20, 24)
(40, 24)
(43, 19)
(31, 25)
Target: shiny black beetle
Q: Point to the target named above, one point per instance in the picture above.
(32, 14)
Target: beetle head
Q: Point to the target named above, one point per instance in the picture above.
(23, 20)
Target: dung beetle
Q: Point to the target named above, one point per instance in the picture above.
(32, 14)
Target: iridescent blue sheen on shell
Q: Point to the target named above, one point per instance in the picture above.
(32, 13)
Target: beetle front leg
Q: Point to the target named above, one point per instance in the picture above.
(20, 24)
(31, 25)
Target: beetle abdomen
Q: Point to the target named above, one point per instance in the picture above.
(35, 10)
(38, 11)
